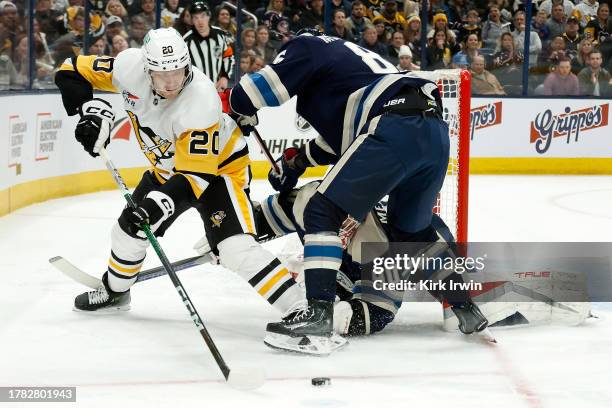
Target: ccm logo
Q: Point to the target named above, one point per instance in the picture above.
(94, 110)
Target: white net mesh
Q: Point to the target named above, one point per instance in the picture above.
(448, 204)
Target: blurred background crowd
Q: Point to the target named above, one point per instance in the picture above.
(554, 47)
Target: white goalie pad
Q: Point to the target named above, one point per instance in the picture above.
(535, 297)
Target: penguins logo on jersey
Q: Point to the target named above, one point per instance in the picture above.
(217, 218)
(154, 147)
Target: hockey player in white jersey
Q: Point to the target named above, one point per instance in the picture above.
(199, 158)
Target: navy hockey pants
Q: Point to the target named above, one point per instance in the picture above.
(405, 157)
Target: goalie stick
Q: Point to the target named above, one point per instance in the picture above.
(82, 277)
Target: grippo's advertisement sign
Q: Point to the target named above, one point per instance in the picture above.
(569, 125)
(485, 116)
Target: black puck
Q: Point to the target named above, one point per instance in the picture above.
(321, 381)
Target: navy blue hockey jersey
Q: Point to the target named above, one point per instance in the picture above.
(339, 87)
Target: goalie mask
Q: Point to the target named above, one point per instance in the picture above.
(166, 61)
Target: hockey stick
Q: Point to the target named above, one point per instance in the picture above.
(349, 226)
(82, 277)
(266, 152)
(168, 267)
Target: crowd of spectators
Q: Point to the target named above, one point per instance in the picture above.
(569, 47)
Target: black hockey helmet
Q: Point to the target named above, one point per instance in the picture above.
(198, 6)
(310, 30)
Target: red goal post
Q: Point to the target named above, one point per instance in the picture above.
(452, 205)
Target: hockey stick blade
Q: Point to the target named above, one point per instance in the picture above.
(82, 277)
(75, 273)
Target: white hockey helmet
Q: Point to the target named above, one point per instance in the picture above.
(165, 50)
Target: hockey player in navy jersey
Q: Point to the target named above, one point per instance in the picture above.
(362, 307)
(384, 134)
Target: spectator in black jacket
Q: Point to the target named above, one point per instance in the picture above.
(370, 41)
(439, 51)
(313, 17)
(338, 28)
(595, 80)
(397, 40)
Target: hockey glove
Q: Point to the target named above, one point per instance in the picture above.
(93, 130)
(156, 208)
(290, 171)
(245, 123)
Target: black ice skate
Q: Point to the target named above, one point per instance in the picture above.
(308, 330)
(102, 298)
(471, 320)
(470, 317)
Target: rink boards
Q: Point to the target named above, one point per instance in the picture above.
(508, 136)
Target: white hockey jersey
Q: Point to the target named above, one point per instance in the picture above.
(189, 135)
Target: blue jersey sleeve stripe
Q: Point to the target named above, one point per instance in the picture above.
(264, 89)
(276, 84)
(252, 92)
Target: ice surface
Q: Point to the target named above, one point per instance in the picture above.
(153, 356)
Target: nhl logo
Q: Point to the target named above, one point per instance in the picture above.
(301, 124)
(217, 218)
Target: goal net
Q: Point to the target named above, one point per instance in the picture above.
(452, 203)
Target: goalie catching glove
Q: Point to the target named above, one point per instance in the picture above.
(156, 208)
(292, 165)
(93, 130)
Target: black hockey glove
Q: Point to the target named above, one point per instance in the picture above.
(245, 123)
(156, 208)
(291, 168)
(93, 130)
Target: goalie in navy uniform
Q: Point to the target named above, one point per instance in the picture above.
(199, 158)
(383, 132)
(361, 308)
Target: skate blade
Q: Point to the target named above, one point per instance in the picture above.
(106, 310)
(311, 345)
(486, 335)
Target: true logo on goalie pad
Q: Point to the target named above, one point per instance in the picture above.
(217, 218)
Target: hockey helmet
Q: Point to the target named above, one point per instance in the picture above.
(165, 50)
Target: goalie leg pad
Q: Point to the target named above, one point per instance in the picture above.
(265, 272)
(127, 256)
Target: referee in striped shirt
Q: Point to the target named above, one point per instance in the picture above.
(209, 47)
